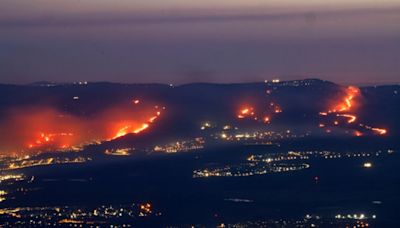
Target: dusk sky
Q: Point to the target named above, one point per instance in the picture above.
(175, 41)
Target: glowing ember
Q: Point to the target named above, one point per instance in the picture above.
(152, 119)
(351, 118)
(357, 133)
(380, 131)
(265, 117)
(278, 110)
(245, 112)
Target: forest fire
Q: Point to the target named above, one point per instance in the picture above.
(49, 139)
(271, 110)
(30, 130)
(380, 131)
(348, 101)
(130, 129)
(351, 118)
(245, 112)
(344, 109)
(133, 128)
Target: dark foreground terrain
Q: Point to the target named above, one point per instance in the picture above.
(306, 153)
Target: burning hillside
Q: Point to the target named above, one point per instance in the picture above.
(346, 108)
(36, 129)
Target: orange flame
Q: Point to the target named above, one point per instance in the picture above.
(245, 112)
(358, 133)
(130, 129)
(351, 118)
(248, 112)
(380, 131)
(35, 129)
(347, 103)
(46, 139)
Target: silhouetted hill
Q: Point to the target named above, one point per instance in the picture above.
(189, 105)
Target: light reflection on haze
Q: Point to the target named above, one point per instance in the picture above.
(237, 41)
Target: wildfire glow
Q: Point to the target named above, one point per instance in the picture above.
(142, 128)
(380, 131)
(345, 106)
(152, 119)
(351, 118)
(347, 103)
(245, 112)
(130, 129)
(265, 117)
(48, 139)
(134, 127)
(35, 129)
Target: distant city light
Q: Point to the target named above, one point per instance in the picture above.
(367, 165)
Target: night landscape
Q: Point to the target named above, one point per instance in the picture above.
(210, 114)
